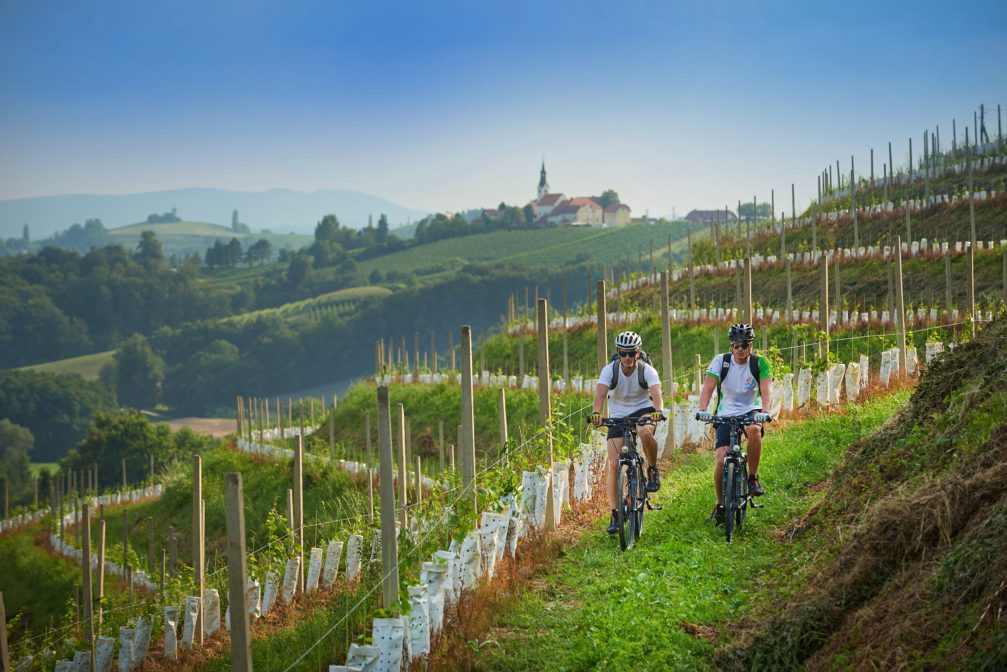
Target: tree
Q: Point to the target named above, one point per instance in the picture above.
(128, 434)
(149, 252)
(745, 211)
(259, 252)
(139, 374)
(24, 234)
(233, 253)
(15, 444)
(198, 384)
(298, 269)
(56, 408)
(234, 220)
(607, 198)
(382, 236)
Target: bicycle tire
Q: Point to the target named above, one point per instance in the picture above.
(641, 500)
(729, 503)
(623, 513)
(742, 489)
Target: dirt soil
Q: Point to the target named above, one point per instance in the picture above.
(215, 427)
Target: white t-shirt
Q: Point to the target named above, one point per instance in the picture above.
(627, 395)
(740, 390)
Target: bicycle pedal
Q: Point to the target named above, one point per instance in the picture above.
(654, 507)
(751, 503)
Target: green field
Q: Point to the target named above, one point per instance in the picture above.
(340, 299)
(534, 248)
(167, 229)
(194, 237)
(86, 366)
(36, 467)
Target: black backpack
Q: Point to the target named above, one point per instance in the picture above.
(644, 357)
(725, 368)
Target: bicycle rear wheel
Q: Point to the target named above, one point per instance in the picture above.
(624, 512)
(729, 503)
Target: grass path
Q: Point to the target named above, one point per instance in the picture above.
(665, 604)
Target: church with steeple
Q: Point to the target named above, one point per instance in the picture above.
(555, 209)
(543, 184)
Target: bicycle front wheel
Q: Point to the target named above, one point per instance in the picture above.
(741, 490)
(729, 502)
(641, 499)
(624, 511)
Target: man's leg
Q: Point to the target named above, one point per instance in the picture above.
(612, 473)
(718, 474)
(754, 433)
(649, 442)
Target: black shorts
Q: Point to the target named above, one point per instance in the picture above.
(619, 432)
(724, 432)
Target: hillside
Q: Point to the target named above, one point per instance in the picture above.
(912, 536)
(281, 210)
(551, 248)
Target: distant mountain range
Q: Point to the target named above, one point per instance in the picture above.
(280, 210)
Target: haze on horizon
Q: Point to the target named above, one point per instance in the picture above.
(452, 105)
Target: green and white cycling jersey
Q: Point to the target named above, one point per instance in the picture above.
(740, 391)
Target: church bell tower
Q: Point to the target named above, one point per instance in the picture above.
(543, 185)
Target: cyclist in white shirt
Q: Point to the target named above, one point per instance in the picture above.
(633, 388)
(744, 382)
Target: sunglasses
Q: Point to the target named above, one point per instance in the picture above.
(627, 353)
(741, 346)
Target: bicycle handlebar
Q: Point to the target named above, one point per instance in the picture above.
(735, 421)
(628, 421)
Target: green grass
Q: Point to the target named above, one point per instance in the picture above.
(601, 608)
(340, 300)
(328, 495)
(537, 248)
(36, 587)
(36, 467)
(86, 366)
(169, 229)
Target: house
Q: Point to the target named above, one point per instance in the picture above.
(568, 214)
(545, 205)
(707, 216)
(616, 214)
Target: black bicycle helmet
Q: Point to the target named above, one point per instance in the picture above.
(741, 332)
(628, 340)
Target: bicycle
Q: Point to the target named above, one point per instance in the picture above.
(631, 482)
(737, 499)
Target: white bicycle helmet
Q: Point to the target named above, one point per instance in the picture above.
(628, 340)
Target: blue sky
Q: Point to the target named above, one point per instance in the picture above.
(452, 105)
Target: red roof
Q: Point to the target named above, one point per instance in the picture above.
(584, 200)
(551, 199)
(566, 209)
(614, 207)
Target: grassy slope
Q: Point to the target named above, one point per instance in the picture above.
(601, 608)
(914, 522)
(86, 366)
(553, 247)
(170, 229)
(36, 587)
(342, 297)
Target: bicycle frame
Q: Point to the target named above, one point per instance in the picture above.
(633, 493)
(734, 483)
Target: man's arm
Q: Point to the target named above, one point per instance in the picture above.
(655, 396)
(600, 394)
(766, 392)
(709, 385)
